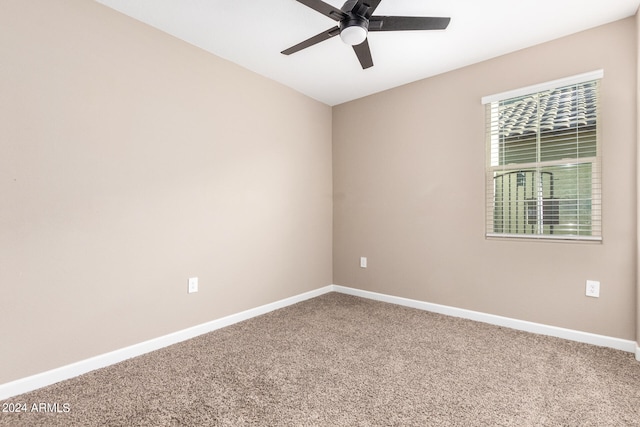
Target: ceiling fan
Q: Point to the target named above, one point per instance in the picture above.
(356, 19)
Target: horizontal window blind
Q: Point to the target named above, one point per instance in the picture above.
(543, 164)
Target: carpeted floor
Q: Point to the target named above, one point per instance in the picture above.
(339, 360)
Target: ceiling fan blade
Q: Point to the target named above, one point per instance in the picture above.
(325, 35)
(324, 8)
(364, 54)
(406, 23)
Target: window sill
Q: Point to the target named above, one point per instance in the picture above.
(544, 237)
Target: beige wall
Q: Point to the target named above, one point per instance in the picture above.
(132, 161)
(409, 193)
(637, 52)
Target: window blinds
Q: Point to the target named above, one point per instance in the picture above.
(543, 163)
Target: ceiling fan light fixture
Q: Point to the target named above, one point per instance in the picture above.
(353, 35)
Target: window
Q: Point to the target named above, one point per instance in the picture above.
(543, 161)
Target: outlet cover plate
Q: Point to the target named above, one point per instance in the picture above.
(193, 285)
(593, 288)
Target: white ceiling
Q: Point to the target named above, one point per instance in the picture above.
(252, 33)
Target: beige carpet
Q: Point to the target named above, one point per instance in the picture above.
(339, 360)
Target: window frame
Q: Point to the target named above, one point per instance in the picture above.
(595, 162)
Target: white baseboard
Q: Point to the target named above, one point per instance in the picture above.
(53, 376)
(522, 325)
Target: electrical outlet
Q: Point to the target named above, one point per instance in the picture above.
(193, 285)
(593, 288)
(363, 262)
